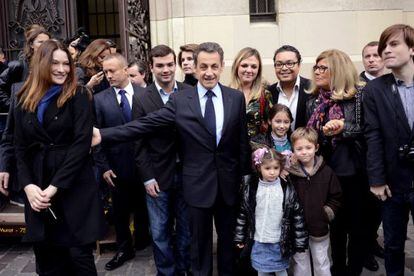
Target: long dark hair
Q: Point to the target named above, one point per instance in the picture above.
(40, 80)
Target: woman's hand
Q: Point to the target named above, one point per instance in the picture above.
(37, 198)
(284, 174)
(95, 79)
(4, 183)
(50, 191)
(240, 245)
(96, 137)
(333, 127)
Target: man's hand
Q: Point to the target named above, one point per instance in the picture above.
(37, 198)
(152, 189)
(381, 192)
(4, 183)
(107, 176)
(96, 137)
(333, 127)
(240, 245)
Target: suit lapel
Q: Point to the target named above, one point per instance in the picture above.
(194, 105)
(154, 96)
(227, 106)
(393, 96)
(113, 102)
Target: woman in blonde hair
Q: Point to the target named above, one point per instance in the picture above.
(53, 132)
(89, 70)
(334, 111)
(246, 76)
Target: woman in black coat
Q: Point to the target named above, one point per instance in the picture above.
(53, 131)
(334, 111)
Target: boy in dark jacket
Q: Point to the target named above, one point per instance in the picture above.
(319, 193)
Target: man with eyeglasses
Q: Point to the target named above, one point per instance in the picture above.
(290, 90)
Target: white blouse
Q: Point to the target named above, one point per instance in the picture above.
(269, 211)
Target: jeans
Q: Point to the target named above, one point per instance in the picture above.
(395, 211)
(171, 256)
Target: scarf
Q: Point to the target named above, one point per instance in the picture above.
(46, 99)
(327, 110)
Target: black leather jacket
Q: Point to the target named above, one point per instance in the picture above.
(17, 71)
(349, 155)
(294, 235)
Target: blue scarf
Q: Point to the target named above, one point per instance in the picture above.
(45, 101)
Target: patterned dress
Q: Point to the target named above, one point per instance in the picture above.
(257, 111)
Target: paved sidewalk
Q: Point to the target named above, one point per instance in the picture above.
(17, 259)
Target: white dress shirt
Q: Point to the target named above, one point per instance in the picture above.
(218, 106)
(291, 102)
(129, 92)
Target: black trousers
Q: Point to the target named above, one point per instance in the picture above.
(129, 198)
(54, 260)
(349, 228)
(201, 227)
(374, 219)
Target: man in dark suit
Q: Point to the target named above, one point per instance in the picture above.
(374, 68)
(160, 170)
(213, 147)
(290, 90)
(113, 107)
(389, 119)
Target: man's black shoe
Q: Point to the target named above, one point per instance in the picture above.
(370, 263)
(378, 251)
(119, 259)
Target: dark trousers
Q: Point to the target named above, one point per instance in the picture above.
(395, 211)
(53, 260)
(129, 198)
(374, 219)
(201, 227)
(348, 229)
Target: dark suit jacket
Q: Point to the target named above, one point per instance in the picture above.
(300, 120)
(207, 169)
(118, 157)
(156, 154)
(58, 153)
(386, 129)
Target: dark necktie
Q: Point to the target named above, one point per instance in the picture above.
(210, 114)
(125, 107)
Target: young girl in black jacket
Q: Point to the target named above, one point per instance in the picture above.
(270, 224)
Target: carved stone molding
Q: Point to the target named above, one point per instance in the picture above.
(139, 29)
(23, 13)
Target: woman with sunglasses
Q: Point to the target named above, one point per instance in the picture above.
(334, 110)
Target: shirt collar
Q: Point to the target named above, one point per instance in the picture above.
(295, 88)
(202, 90)
(400, 83)
(369, 76)
(128, 89)
(161, 91)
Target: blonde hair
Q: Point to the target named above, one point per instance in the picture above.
(257, 86)
(344, 76)
(306, 133)
(40, 79)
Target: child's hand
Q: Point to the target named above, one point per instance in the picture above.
(333, 127)
(284, 174)
(240, 245)
(293, 159)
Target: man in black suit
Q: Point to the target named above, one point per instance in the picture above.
(160, 170)
(374, 68)
(113, 107)
(290, 90)
(389, 120)
(213, 147)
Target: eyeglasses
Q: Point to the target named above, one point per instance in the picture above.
(322, 69)
(289, 64)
